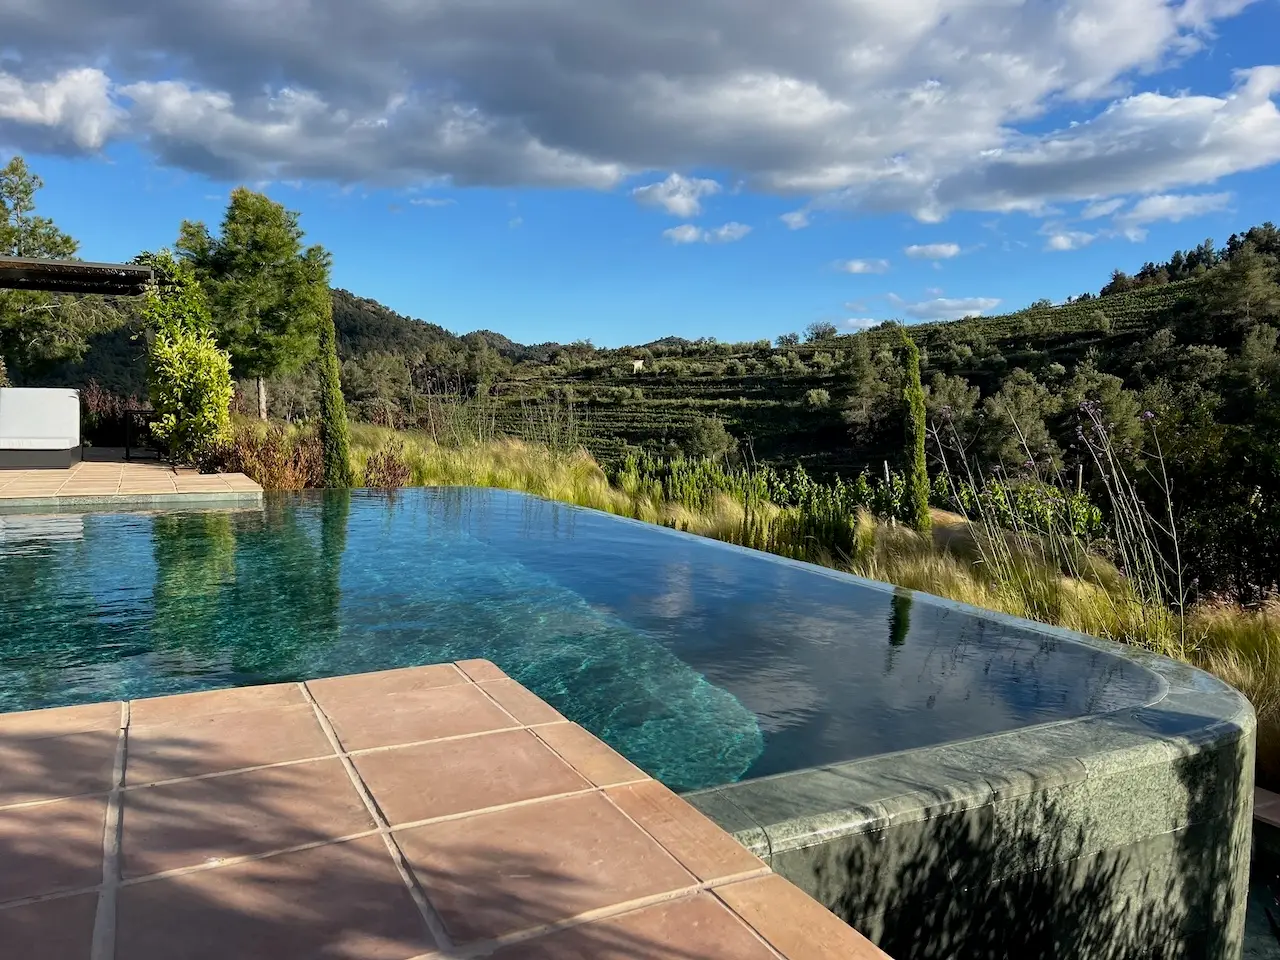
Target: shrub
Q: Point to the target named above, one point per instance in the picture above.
(103, 415)
(388, 468)
(189, 377)
(706, 437)
(817, 399)
(276, 456)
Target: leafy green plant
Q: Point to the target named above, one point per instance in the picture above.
(189, 377)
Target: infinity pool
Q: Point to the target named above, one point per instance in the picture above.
(702, 663)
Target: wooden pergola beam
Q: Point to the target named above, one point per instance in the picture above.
(73, 276)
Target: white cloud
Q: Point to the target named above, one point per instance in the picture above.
(679, 196)
(728, 233)
(1101, 208)
(433, 201)
(933, 291)
(919, 107)
(796, 219)
(515, 223)
(1069, 240)
(945, 308)
(1171, 207)
(860, 323)
(689, 233)
(864, 266)
(74, 109)
(932, 251)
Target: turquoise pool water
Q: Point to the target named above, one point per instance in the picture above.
(702, 663)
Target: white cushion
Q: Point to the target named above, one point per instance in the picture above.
(39, 418)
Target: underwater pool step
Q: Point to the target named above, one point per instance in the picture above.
(416, 813)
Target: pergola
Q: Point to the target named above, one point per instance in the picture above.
(73, 276)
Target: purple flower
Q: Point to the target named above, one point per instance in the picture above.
(1148, 415)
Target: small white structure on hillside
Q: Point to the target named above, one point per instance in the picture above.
(637, 366)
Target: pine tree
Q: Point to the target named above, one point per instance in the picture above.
(262, 286)
(917, 498)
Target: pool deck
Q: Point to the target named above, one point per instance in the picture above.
(440, 811)
(105, 478)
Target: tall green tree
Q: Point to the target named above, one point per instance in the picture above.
(268, 294)
(39, 328)
(917, 494)
(1246, 289)
(335, 435)
(22, 233)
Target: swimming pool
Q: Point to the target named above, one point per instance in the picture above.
(702, 663)
(954, 783)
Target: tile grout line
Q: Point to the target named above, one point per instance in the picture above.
(129, 788)
(268, 854)
(494, 700)
(246, 858)
(433, 923)
(481, 948)
(104, 921)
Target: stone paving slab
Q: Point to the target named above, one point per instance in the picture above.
(440, 811)
(117, 482)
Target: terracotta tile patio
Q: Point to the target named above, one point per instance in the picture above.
(440, 811)
(106, 474)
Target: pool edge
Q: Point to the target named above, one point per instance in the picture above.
(1123, 824)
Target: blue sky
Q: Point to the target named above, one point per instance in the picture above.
(499, 189)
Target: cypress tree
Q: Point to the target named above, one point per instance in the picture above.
(335, 435)
(917, 499)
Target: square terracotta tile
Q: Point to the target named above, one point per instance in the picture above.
(796, 926)
(520, 703)
(52, 767)
(51, 847)
(705, 850)
(691, 928)
(591, 757)
(223, 741)
(497, 873)
(60, 720)
(342, 900)
(374, 685)
(51, 930)
(242, 814)
(206, 703)
(481, 670)
(415, 715)
(447, 777)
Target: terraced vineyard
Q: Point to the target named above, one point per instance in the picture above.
(766, 407)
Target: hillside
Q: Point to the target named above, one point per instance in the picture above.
(757, 389)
